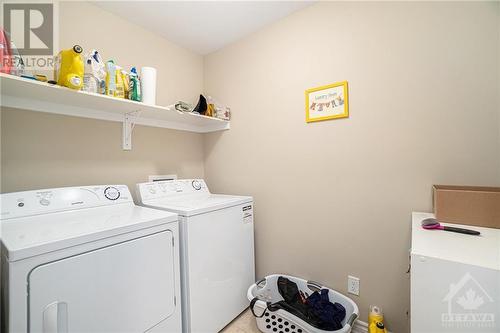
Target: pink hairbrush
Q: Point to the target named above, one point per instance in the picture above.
(432, 223)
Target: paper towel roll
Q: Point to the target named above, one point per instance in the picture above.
(148, 85)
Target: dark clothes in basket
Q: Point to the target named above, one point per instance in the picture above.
(317, 310)
(330, 314)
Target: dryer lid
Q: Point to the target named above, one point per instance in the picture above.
(43, 228)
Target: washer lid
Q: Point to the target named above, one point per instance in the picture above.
(33, 235)
(198, 204)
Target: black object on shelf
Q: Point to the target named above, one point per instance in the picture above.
(201, 107)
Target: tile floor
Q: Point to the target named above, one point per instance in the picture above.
(245, 323)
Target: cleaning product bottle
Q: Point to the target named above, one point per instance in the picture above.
(126, 83)
(210, 107)
(5, 53)
(110, 78)
(18, 67)
(95, 73)
(120, 88)
(376, 320)
(68, 69)
(134, 86)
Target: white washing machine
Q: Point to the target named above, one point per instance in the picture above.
(86, 259)
(217, 250)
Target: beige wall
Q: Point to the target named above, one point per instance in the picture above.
(180, 72)
(334, 198)
(43, 150)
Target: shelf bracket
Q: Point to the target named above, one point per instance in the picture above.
(129, 121)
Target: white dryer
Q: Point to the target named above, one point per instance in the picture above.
(86, 259)
(217, 250)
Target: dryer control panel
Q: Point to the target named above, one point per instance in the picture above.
(169, 188)
(26, 203)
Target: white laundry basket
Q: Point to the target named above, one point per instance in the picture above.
(281, 321)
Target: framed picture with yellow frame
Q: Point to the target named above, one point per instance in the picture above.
(327, 102)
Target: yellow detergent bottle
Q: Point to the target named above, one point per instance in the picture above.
(126, 83)
(110, 78)
(120, 85)
(69, 68)
(376, 320)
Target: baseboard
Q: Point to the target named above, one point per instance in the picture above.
(360, 327)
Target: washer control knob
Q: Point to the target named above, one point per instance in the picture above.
(44, 202)
(111, 193)
(196, 185)
(152, 190)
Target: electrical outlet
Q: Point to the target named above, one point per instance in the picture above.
(353, 285)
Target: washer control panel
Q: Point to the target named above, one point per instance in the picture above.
(169, 188)
(19, 204)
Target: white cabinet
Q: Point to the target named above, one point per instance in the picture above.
(455, 280)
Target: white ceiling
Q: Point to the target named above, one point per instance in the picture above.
(202, 26)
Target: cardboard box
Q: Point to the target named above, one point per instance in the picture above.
(471, 205)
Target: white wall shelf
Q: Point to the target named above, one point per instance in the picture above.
(17, 92)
